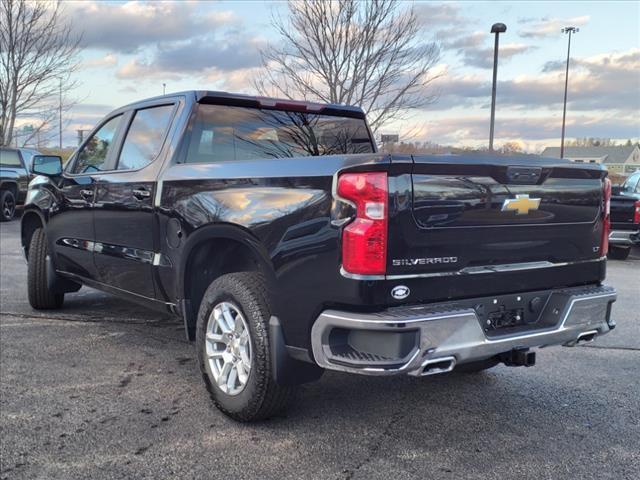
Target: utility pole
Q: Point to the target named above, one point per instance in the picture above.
(496, 28)
(568, 30)
(60, 112)
(81, 135)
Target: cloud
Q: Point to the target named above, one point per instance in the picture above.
(483, 57)
(476, 49)
(239, 81)
(108, 60)
(546, 27)
(199, 55)
(604, 101)
(126, 27)
(431, 14)
(601, 82)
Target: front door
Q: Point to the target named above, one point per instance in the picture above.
(124, 210)
(70, 229)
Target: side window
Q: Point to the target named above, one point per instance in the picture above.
(94, 154)
(630, 184)
(10, 158)
(145, 137)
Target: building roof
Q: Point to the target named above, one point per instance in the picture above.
(613, 154)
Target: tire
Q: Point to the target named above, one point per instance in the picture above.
(40, 297)
(619, 253)
(243, 296)
(476, 367)
(7, 206)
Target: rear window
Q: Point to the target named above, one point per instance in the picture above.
(630, 184)
(225, 133)
(9, 158)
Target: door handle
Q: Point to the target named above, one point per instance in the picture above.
(86, 194)
(141, 193)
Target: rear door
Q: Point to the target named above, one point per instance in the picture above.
(70, 227)
(124, 209)
(471, 214)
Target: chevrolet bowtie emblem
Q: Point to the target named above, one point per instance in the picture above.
(521, 204)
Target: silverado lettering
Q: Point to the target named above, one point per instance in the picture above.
(423, 261)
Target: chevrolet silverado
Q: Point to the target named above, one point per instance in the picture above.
(288, 245)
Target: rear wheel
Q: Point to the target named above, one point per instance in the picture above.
(7, 205)
(233, 348)
(40, 297)
(619, 253)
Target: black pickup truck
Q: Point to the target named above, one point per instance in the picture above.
(625, 218)
(14, 179)
(288, 245)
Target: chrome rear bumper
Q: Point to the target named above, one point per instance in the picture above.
(435, 338)
(624, 237)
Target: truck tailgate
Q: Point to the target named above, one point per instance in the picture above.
(623, 212)
(474, 214)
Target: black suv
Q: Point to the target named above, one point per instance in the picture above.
(14, 179)
(288, 245)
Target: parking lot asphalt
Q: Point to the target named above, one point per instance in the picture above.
(104, 389)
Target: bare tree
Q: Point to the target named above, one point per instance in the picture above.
(592, 142)
(370, 54)
(38, 54)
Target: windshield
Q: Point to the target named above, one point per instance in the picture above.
(226, 133)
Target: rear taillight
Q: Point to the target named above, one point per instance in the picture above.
(364, 241)
(636, 214)
(606, 216)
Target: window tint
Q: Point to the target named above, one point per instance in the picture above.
(10, 158)
(93, 156)
(223, 133)
(144, 139)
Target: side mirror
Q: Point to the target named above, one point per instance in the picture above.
(48, 165)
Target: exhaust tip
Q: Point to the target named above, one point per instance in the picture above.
(438, 365)
(587, 337)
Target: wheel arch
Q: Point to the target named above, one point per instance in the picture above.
(32, 219)
(11, 185)
(210, 252)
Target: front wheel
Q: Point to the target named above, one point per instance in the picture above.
(232, 345)
(7, 206)
(40, 297)
(619, 253)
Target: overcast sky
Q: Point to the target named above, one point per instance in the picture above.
(131, 48)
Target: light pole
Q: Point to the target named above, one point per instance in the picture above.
(568, 30)
(496, 28)
(60, 111)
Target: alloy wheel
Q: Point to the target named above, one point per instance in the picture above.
(228, 348)
(8, 207)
